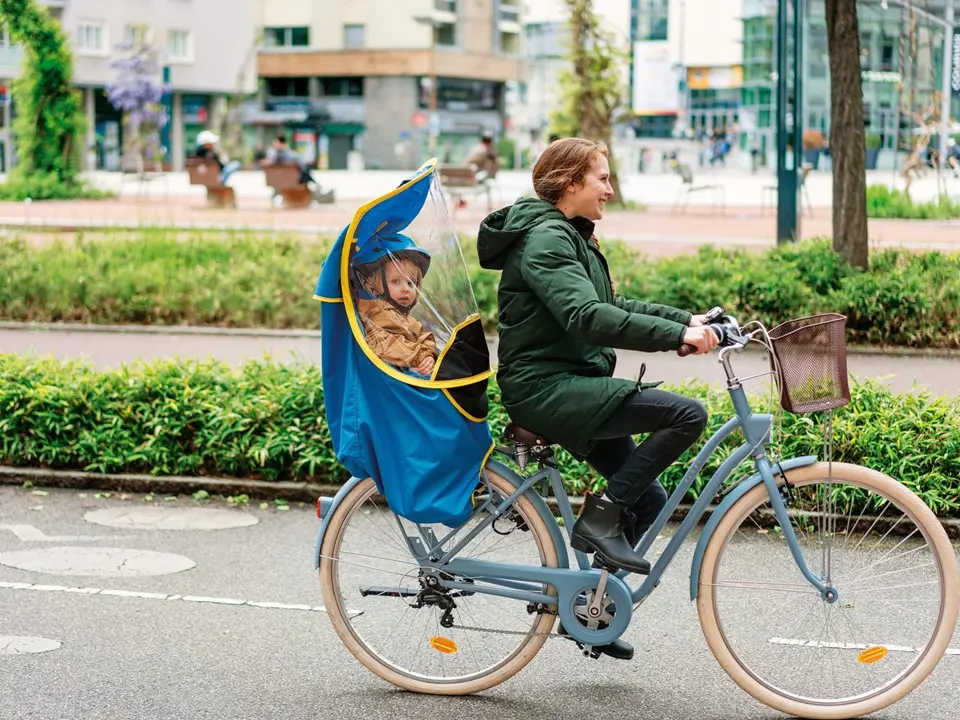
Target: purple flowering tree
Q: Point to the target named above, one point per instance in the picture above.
(138, 92)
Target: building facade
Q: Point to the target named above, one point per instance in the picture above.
(901, 69)
(686, 70)
(546, 38)
(205, 50)
(386, 84)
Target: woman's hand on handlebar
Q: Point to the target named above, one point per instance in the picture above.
(701, 339)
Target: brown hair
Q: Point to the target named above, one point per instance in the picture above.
(564, 162)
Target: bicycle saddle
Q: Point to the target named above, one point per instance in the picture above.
(527, 437)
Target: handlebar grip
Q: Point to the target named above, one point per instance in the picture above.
(687, 349)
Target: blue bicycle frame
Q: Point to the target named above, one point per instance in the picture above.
(527, 583)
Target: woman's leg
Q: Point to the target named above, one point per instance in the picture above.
(675, 422)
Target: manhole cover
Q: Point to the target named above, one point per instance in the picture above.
(12, 645)
(97, 561)
(170, 518)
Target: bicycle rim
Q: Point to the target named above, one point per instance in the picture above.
(407, 646)
(886, 554)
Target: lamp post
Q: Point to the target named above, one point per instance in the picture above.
(788, 187)
(433, 121)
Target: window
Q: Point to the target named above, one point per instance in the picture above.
(134, 35)
(652, 19)
(286, 37)
(445, 35)
(341, 87)
(180, 45)
(354, 36)
(91, 38)
(288, 87)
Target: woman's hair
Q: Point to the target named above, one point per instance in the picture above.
(564, 162)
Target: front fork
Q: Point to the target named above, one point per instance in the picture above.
(827, 592)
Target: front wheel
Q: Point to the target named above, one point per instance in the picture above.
(864, 534)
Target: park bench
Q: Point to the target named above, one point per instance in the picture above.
(284, 178)
(463, 178)
(206, 172)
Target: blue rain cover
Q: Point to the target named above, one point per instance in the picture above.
(424, 454)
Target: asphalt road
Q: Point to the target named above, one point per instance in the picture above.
(110, 349)
(174, 656)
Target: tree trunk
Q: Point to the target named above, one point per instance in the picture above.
(847, 138)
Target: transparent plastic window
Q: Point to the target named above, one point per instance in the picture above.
(411, 288)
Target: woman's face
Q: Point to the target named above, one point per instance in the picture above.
(588, 197)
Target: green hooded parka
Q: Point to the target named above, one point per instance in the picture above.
(559, 322)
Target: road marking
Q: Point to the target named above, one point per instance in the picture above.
(14, 645)
(32, 587)
(849, 646)
(97, 561)
(31, 533)
(170, 518)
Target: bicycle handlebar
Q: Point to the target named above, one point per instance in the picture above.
(727, 332)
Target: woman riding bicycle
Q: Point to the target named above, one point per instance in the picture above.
(559, 322)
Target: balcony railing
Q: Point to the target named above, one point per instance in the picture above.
(509, 14)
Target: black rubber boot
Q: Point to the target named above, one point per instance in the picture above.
(599, 530)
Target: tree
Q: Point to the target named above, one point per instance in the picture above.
(232, 134)
(49, 116)
(847, 138)
(138, 92)
(592, 90)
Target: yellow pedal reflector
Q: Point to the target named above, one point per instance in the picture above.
(872, 655)
(442, 644)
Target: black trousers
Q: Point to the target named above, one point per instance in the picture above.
(675, 423)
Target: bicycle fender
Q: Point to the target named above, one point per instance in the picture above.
(327, 508)
(563, 559)
(329, 505)
(738, 492)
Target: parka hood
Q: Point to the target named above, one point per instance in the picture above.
(502, 228)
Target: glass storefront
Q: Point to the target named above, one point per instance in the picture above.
(892, 82)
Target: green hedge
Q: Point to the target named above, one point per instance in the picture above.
(884, 202)
(244, 280)
(266, 421)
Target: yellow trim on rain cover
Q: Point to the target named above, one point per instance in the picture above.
(426, 169)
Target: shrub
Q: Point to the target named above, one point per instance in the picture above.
(236, 279)
(266, 420)
(883, 202)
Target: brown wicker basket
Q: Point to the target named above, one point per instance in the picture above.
(812, 355)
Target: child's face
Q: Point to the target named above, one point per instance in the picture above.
(403, 282)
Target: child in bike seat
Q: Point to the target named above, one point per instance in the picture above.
(559, 323)
(387, 277)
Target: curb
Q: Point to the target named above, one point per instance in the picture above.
(165, 484)
(892, 351)
(157, 329)
(290, 491)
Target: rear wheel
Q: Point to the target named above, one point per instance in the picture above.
(380, 604)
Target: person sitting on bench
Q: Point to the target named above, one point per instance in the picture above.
(207, 148)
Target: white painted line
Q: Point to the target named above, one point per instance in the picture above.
(849, 646)
(215, 601)
(30, 587)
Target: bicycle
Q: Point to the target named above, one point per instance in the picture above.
(787, 507)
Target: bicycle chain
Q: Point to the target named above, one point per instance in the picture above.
(505, 632)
